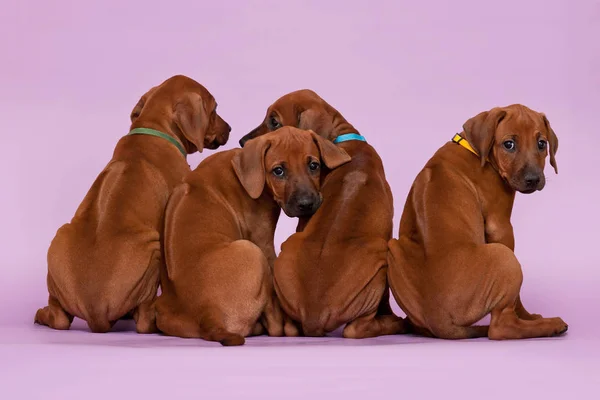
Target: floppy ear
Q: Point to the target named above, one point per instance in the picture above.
(316, 120)
(325, 120)
(249, 166)
(480, 131)
(137, 110)
(553, 141)
(191, 119)
(332, 155)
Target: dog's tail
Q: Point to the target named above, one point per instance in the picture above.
(95, 310)
(313, 327)
(470, 332)
(477, 331)
(227, 338)
(213, 329)
(97, 318)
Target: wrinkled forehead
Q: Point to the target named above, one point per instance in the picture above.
(208, 100)
(291, 148)
(296, 102)
(521, 121)
(177, 87)
(206, 96)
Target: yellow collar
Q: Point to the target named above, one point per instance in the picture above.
(463, 142)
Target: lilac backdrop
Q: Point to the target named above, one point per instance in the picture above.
(407, 74)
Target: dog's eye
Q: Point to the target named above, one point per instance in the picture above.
(542, 144)
(509, 145)
(278, 171)
(274, 123)
(313, 165)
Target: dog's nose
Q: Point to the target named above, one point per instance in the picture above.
(532, 180)
(305, 204)
(225, 138)
(244, 139)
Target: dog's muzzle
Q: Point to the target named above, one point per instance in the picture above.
(303, 204)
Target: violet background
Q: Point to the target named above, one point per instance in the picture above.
(406, 74)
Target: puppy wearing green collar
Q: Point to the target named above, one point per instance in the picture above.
(104, 265)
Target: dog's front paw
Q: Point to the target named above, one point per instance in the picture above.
(560, 326)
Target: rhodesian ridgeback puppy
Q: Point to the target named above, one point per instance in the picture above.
(332, 272)
(454, 262)
(104, 264)
(219, 231)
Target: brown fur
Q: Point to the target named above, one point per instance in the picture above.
(333, 270)
(220, 225)
(453, 262)
(104, 264)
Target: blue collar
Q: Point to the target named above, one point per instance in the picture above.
(349, 136)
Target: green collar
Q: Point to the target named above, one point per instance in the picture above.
(153, 132)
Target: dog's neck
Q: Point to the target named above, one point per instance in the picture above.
(486, 178)
(491, 160)
(341, 127)
(265, 208)
(460, 139)
(167, 129)
(260, 221)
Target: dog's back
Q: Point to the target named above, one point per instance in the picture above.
(320, 270)
(115, 229)
(104, 264)
(454, 260)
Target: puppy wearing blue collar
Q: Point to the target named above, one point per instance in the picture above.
(332, 271)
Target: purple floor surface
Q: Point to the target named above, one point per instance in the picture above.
(39, 363)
